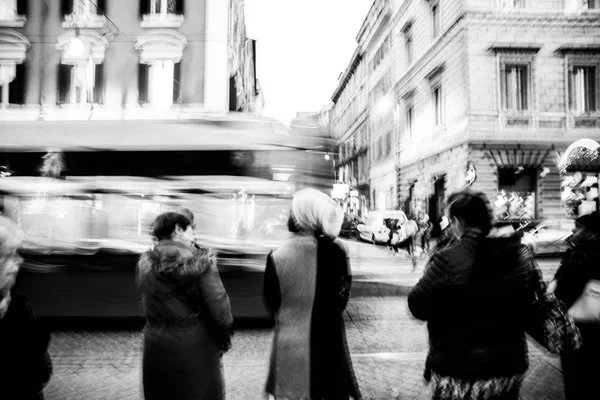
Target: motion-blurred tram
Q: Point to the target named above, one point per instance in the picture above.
(85, 195)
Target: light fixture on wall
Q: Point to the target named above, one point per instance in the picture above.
(76, 47)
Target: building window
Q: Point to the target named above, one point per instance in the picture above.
(438, 106)
(510, 4)
(516, 197)
(435, 19)
(83, 9)
(583, 89)
(159, 83)
(80, 84)
(408, 46)
(12, 84)
(408, 120)
(592, 4)
(514, 82)
(381, 53)
(161, 8)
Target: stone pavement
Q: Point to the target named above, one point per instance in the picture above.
(388, 349)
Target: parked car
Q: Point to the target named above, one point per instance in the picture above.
(549, 237)
(375, 229)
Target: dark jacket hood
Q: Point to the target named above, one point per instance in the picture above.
(174, 258)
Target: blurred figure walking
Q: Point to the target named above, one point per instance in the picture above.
(425, 226)
(26, 366)
(580, 264)
(476, 295)
(188, 315)
(307, 286)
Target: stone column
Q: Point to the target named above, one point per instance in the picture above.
(216, 70)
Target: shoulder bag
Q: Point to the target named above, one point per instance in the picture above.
(586, 308)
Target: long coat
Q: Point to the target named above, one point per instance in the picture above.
(307, 286)
(26, 367)
(188, 323)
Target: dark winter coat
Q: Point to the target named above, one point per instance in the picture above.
(580, 367)
(475, 296)
(307, 286)
(188, 323)
(26, 367)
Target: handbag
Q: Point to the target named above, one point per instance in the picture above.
(551, 326)
(586, 308)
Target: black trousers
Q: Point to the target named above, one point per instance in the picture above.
(580, 368)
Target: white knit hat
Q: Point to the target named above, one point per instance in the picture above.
(314, 211)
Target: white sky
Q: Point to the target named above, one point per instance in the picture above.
(301, 48)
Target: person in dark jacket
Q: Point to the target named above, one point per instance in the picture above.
(476, 296)
(188, 316)
(580, 264)
(307, 286)
(26, 366)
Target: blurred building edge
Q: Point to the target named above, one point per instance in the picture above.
(65, 60)
(440, 95)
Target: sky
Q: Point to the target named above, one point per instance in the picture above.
(302, 46)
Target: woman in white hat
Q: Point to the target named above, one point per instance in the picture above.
(307, 286)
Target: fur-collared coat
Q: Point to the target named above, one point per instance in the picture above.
(188, 323)
(307, 286)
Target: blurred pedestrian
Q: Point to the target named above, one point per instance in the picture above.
(425, 226)
(188, 315)
(580, 264)
(26, 366)
(307, 286)
(476, 296)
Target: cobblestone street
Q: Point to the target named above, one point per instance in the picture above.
(388, 349)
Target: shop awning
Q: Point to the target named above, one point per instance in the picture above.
(515, 155)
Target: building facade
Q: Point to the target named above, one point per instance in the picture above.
(362, 117)
(111, 60)
(490, 94)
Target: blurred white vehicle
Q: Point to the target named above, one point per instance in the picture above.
(549, 237)
(375, 229)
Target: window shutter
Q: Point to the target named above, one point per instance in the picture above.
(64, 83)
(590, 89)
(99, 84)
(177, 83)
(16, 89)
(101, 4)
(179, 4)
(571, 88)
(524, 88)
(66, 7)
(504, 82)
(22, 7)
(143, 83)
(144, 8)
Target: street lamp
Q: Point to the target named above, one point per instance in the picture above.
(76, 48)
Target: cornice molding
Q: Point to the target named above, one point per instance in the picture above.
(535, 20)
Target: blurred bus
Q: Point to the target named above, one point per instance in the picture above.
(86, 193)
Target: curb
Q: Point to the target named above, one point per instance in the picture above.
(367, 288)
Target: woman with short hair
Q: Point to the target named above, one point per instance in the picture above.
(476, 295)
(188, 315)
(306, 287)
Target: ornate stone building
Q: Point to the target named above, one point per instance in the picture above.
(496, 88)
(114, 59)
